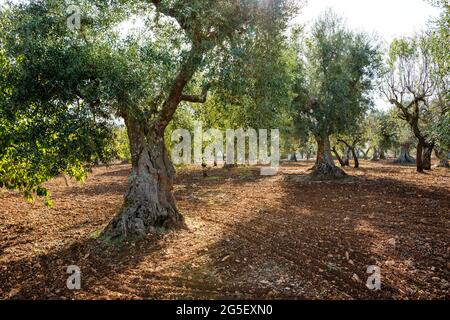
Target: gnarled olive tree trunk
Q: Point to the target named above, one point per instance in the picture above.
(346, 158)
(426, 155)
(424, 151)
(325, 169)
(351, 148)
(405, 157)
(149, 204)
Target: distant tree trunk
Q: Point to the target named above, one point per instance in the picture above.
(338, 157)
(149, 203)
(346, 156)
(426, 155)
(355, 158)
(351, 148)
(404, 155)
(325, 169)
(294, 157)
(443, 158)
(204, 169)
(382, 154)
(419, 159)
(376, 155)
(366, 153)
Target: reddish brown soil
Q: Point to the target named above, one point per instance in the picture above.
(246, 236)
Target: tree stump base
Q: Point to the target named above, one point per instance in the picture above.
(326, 172)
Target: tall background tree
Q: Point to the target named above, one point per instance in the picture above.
(439, 38)
(417, 83)
(335, 79)
(410, 86)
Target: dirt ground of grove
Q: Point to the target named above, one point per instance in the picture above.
(247, 236)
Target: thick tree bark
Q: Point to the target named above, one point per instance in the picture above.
(149, 205)
(419, 161)
(423, 156)
(355, 158)
(426, 155)
(404, 156)
(325, 169)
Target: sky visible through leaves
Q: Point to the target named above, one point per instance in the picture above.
(387, 19)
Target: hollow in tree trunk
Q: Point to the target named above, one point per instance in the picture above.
(404, 155)
(149, 204)
(325, 169)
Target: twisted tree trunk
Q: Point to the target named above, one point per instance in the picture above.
(426, 155)
(294, 157)
(325, 169)
(346, 156)
(351, 148)
(404, 155)
(355, 158)
(338, 157)
(376, 155)
(149, 204)
(419, 159)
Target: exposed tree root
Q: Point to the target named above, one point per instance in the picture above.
(405, 159)
(324, 172)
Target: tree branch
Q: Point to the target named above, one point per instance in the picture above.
(201, 98)
(171, 12)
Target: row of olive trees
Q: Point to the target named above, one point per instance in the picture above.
(227, 63)
(63, 89)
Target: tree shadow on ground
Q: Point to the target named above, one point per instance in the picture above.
(325, 233)
(308, 242)
(45, 276)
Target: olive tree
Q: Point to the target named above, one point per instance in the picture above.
(335, 79)
(92, 73)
